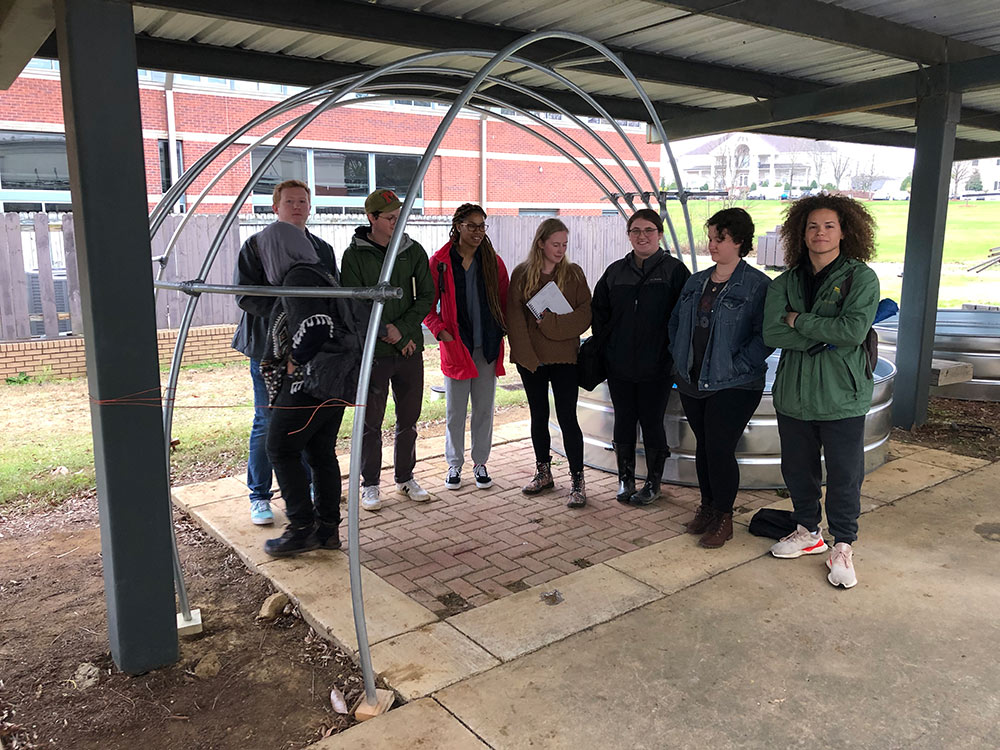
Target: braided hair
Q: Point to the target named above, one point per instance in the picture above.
(487, 259)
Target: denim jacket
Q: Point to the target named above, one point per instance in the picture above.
(736, 353)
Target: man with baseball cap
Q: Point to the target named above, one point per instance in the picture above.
(398, 359)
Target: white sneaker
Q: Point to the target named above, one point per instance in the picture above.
(414, 491)
(841, 565)
(799, 542)
(371, 498)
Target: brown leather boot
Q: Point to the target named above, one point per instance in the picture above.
(701, 521)
(578, 495)
(542, 481)
(720, 532)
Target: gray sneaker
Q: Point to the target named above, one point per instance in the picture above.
(371, 498)
(841, 565)
(799, 542)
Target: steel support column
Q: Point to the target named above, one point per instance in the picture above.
(104, 144)
(937, 117)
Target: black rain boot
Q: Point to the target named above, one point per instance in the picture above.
(654, 474)
(296, 539)
(625, 453)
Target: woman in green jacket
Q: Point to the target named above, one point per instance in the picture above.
(819, 312)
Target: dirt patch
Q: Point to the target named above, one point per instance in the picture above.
(271, 691)
(969, 428)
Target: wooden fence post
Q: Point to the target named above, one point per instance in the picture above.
(72, 276)
(14, 320)
(46, 286)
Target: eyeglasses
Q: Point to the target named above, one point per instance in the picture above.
(391, 218)
(648, 231)
(476, 227)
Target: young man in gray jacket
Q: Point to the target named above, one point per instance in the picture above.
(291, 204)
(398, 360)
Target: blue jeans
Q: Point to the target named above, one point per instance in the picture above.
(258, 464)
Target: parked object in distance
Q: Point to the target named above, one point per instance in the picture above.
(890, 195)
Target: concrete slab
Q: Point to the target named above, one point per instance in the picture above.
(898, 449)
(520, 623)
(320, 583)
(947, 460)
(193, 495)
(427, 659)
(768, 654)
(903, 477)
(677, 563)
(229, 522)
(421, 724)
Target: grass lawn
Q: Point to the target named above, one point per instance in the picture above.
(973, 227)
(47, 456)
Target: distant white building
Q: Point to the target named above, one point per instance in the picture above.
(989, 173)
(738, 161)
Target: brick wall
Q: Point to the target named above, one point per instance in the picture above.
(514, 177)
(65, 357)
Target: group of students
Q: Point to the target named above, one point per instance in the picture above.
(657, 325)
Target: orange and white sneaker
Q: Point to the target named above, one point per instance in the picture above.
(799, 542)
(841, 565)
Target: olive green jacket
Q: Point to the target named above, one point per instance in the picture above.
(361, 266)
(833, 383)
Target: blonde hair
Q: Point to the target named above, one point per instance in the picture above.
(531, 282)
(487, 257)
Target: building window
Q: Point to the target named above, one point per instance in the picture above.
(290, 165)
(412, 102)
(395, 172)
(165, 182)
(33, 161)
(341, 173)
(537, 212)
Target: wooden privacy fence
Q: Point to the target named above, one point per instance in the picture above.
(40, 291)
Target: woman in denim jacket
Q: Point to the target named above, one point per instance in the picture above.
(720, 359)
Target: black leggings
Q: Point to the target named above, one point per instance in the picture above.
(718, 422)
(643, 404)
(564, 390)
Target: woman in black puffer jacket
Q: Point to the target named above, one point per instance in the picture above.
(632, 304)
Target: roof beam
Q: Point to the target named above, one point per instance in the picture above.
(830, 23)
(349, 19)
(853, 97)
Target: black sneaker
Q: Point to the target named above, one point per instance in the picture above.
(454, 479)
(328, 536)
(292, 542)
(482, 476)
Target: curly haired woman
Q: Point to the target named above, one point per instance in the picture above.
(467, 317)
(819, 313)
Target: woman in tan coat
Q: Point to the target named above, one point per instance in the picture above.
(544, 348)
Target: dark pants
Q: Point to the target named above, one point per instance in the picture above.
(843, 444)
(564, 391)
(406, 377)
(643, 404)
(294, 431)
(718, 422)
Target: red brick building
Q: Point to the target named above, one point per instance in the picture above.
(343, 154)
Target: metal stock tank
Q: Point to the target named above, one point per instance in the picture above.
(758, 452)
(971, 336)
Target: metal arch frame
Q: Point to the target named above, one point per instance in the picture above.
(380, 292)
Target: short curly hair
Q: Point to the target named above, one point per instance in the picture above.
(856, 224)
(737, 224)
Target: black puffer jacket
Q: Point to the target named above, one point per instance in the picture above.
(327, 336)
(638, 346)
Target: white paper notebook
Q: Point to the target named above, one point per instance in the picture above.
(549, 298)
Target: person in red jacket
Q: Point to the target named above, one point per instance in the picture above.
(467, 318)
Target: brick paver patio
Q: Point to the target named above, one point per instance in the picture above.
(468, 547)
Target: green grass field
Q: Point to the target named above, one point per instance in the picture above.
(973, 227)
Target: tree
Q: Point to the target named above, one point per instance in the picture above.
(864, 181)
(959, 171)
(705, 186)
(829, 187)
(818, 155)
(975, 181)
(907, 181)
(813, 185)
(841, 165)
(753, 187)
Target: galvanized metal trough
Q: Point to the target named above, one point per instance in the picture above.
(971, 336)
(758, 452)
